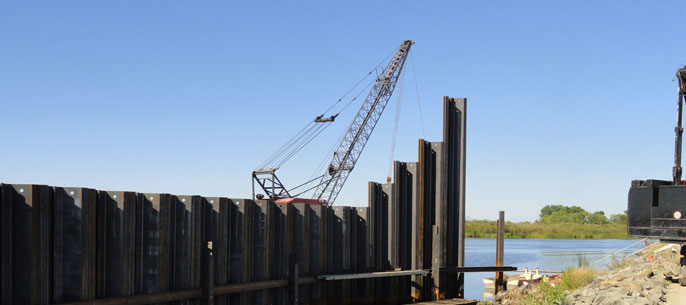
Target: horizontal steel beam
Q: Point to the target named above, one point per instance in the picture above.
(169, 296)
(243, 287)
(337, 277)
(141, 299)
(466, 269)
(539, 271)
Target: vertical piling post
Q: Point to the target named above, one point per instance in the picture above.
(678, 130)
(293, 278)
(262, 246)
(442, 220)
(425, 218)
(315, 258)
(301, 243)
(208, 275)
(500, 253)
(26, 244)
(436, 264)
(283, 247)
(453, 195)
(240, 231)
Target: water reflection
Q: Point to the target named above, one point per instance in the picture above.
(487, 295)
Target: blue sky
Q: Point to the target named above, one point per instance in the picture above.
(568, 101)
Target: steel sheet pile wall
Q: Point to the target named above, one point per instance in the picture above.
(60, 244)
(417, 222)
(453, 201)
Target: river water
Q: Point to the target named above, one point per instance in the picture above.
(545, 254)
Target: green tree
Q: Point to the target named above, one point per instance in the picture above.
(597, 218)
(618, 218)
(563, 214)
(549, 210)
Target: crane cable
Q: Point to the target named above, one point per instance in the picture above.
(327, 157)
(286, 147)
(375, 69)
(395, 124)
(274, 155)
(321, 166)
(318, 130)
(307, 138)
(419, 103)
(397, 113)
(313, 129)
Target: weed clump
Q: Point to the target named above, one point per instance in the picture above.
(545, 294)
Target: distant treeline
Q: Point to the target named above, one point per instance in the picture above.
(556, 222)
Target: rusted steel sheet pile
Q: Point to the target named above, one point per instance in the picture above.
(68, 244)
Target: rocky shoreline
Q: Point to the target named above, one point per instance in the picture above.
(641, 280)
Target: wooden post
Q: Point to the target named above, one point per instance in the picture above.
(500, 284)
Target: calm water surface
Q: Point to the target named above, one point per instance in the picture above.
(545, 254)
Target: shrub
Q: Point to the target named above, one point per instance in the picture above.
(572, 279)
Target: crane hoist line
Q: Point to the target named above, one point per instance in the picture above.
(326, 187)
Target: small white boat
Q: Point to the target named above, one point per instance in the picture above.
(553, 280)
(524, 279)
(529, 278)
(489, 282)
(537, 276)
(514, 281)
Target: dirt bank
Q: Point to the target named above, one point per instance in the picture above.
(647, 279)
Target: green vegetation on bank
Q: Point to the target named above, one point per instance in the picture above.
(487, 229)
(544, 294)
(556, 222)
(572, 279)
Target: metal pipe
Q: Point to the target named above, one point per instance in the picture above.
(336, 277)
(620, 250)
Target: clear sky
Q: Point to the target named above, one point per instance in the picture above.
(568, 101)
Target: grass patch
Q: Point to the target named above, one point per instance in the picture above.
(618, 263)
(545, 294)
(572, 279)
(575, 278)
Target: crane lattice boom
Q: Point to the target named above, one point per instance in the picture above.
(357, 135)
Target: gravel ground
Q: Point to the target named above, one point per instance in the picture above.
(644, 280)
(648, 279)
(676, 295)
